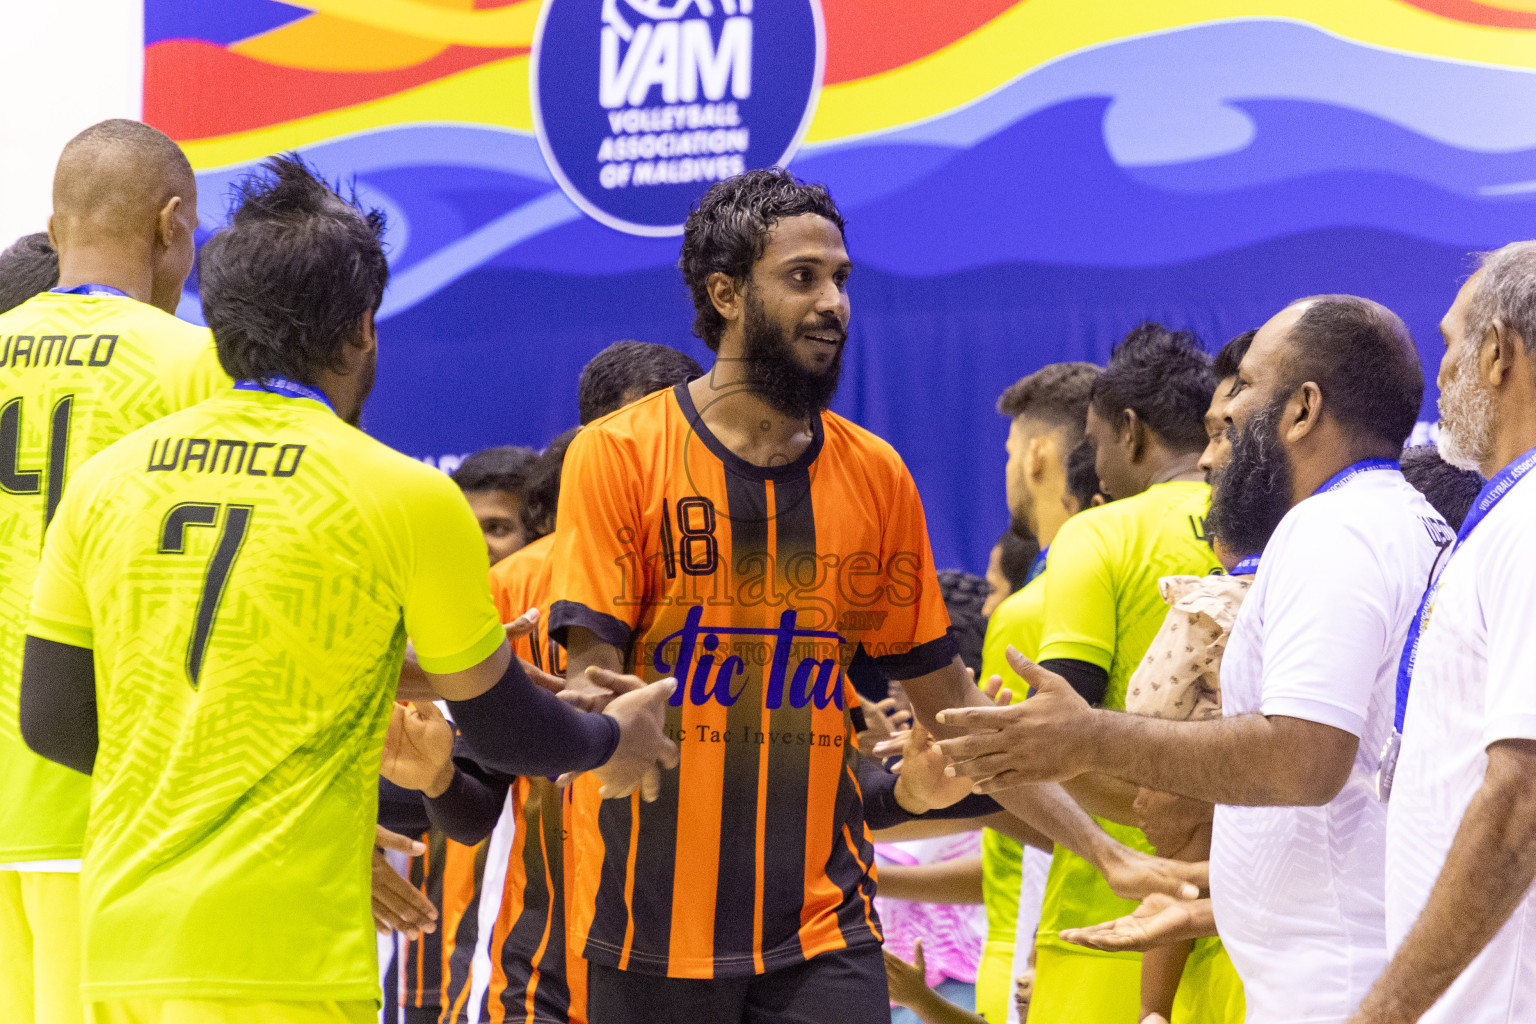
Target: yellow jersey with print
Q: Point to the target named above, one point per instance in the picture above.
(77, 372)
(1103, 606)
(247, 572)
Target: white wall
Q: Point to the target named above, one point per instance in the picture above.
(64, 65)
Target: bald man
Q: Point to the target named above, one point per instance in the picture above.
(95, 358)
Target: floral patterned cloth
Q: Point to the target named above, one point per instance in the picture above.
(1180, 677)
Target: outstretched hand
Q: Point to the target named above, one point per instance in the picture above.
(418, 749)
(397, 904)
(1159, 921)
(594, 689)
(643, 744)
(1041, 739)
(1133, 875)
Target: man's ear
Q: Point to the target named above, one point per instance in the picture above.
(165, 222)
(726, 294)
(1035, 454)
(1497, 353)
(1131, 433)
(1303, 412)
(366, 338)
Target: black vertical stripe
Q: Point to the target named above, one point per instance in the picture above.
(789, 764)
(848, 872)
(58, 455)
(736, 880)
(610, 917)
(542, 913)
(464, 940)
(655, 866)
(552, 999)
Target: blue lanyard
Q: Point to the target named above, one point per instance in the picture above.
(287, 388)
(1353, 470)
(1492, 493)
(1036, 567)
(92, 289)
(1247, 567)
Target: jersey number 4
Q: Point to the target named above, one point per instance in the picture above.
(173, 541)
(15, 480)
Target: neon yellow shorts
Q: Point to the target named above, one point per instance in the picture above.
(40, 947)
(994, 980)
(1084, 988)
(229, 1011)
(1210, 992)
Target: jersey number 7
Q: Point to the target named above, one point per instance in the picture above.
(173, 541)
(15, 480)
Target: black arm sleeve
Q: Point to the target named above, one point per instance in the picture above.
(881, 809)
(469, 808)
(1086, 678)
(58, 702)
(518, 728)
(402, 811)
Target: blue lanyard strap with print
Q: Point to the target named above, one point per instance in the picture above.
(92, 289)
(1492, 493)
(285, 387)
(1353, 470)
(1247, 567)
(1037, 566)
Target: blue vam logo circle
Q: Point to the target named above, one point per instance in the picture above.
(641, 105)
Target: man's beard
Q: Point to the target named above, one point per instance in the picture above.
(1252, 492)
(1466, 417)
(365, 388)
(772, 372)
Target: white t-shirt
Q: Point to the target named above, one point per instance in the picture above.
(1474, 684)
(1298, 891)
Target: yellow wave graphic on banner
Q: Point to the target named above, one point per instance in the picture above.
(1024, 37)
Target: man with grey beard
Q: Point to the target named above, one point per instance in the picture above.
(1324, 399)
(1461, 834)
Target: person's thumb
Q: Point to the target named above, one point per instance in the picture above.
(1039, 679)
(385, 839)
(917, 957)
(657, 694)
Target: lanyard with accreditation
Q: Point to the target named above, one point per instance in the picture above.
(1492, 493)
(286, 387)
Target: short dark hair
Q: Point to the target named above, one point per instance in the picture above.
(612, 376)
(1450, 490)
(1362, 358)
(1162, 375)
(1083, 474)
(27, 267)
(541, 495)
(1019, 548)
(1231, 356)
(286, 284)
(964, 596)
(1057, 394)
(503, 468)
(727, 233)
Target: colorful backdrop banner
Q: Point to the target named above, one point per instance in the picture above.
(1023, 181)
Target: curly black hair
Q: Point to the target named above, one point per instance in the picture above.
(728, 232)
(503, 468)
(627, 368)
(964, 595)
(27, 267)
(287, 283)
(1231, 356)
(541, 494)
(1165, 377)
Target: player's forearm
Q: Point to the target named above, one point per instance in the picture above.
(467, 809)
(1246, 760)
(518, 728)
(950, 881)
(1104, 796)
(1491, 865)
(586, 650)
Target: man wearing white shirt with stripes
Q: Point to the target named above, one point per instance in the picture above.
(1461, 838)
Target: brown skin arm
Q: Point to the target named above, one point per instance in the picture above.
(1249, 760)
(1105, 796)
(1048, 808)
(1491, 865)
(1001, 821)
(949, 881)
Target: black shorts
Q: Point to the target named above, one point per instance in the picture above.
(845, 986)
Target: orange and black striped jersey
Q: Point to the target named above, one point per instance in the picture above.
(435, 966)
(535, 975)
(755, 587)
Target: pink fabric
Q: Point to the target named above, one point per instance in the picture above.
(952, 935)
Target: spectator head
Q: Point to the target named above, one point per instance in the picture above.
(1048, 410)
(493, 481)
(966, 596)
(1148, 407)
(1328, 378)
(1225, 366)
(1490, 337)
(29, 266)
(627, 371)
(1008, 565)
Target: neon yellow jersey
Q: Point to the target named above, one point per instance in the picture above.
(77, 373)
(247, 572)
(1016, 621)
(1103, 606)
